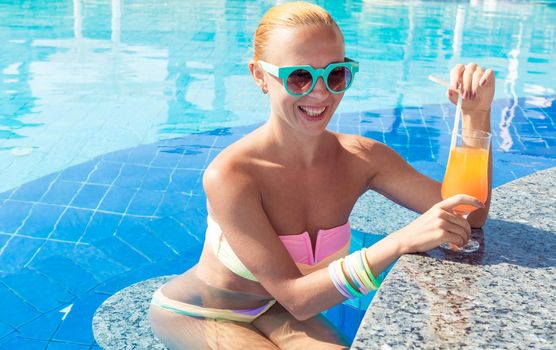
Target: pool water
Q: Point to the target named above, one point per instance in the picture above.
(111, 110)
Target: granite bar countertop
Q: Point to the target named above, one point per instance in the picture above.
(500, 297)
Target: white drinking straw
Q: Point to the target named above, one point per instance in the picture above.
(456, 123)
(458, 110)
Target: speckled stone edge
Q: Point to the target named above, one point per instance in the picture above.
(498, 298)
(121, 321)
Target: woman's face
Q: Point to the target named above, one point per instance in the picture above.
(317, 46)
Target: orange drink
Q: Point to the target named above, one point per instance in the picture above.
(466, 173)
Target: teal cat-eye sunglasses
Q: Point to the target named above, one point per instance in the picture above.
(300, 80)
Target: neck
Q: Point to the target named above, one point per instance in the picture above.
(293, 147)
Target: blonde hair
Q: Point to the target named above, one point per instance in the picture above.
(288, 16)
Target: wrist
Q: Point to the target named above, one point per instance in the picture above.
(399, 244)
(476, 119)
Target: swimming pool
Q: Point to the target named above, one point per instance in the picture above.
(111, 110)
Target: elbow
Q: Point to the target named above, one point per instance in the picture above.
(300, 313)
(295, 309)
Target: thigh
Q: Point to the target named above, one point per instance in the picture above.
(183, 332)
(278, 325)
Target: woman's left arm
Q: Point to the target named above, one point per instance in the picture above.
(400, 182)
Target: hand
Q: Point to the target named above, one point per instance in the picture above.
(475, 85)
(436, 226)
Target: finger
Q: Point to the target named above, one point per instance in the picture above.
(464, 231)
(456, 239)
(458, 199)
(468, 79)
(476, 81)
(456, 76)
(456, 220)
(488, 75)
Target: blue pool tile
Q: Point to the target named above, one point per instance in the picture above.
(42, 220)
(66, 273)
(5, 195)
(172, 202)
(14, 311)
(120, 156)
(131, 176)
(200, 140)
(42, 327)
(18, 252)
(105, 172)
(42, 293)
(418, 153)
(349, 129)
(193, 223)
(12, 215)
(396, 138)
(34, 190)
(90, 196)
(375, 135)
(157, 179)
(198, 202)
(185, 180)
(97, 262)
(4, 239)
(68, 346)
(173, 234)
(102, 226)
(61, 192)
(51, 248)
(166, 158)
(79, 172)
(525, 128)
(143, 154)
(195, 157)
(551, 142)
(137, 234)
(77, 325)
(72, 224)
(5, 330)
(430, 169)
(120, 252)
(226, 140)
(117, 199)
(163, 267)
(15, 342)
(145, 202)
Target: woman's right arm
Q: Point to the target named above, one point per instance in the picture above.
(237, 207)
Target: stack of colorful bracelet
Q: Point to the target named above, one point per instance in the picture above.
(357, 267)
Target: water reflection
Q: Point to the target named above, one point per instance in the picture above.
(79, 79)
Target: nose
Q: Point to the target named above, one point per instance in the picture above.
(320, 87)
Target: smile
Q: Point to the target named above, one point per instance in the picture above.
(312, 112)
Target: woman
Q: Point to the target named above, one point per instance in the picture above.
(259, 282)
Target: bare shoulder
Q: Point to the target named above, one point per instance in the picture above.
(364, 148)
(372, 159)
(231, 169)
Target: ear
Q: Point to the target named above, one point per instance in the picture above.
(258, 74)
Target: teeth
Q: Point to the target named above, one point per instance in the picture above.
(312, 112)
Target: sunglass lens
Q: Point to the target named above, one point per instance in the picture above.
(299, 81)
(339, 78)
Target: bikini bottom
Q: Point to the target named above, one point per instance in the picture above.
(240, 315)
